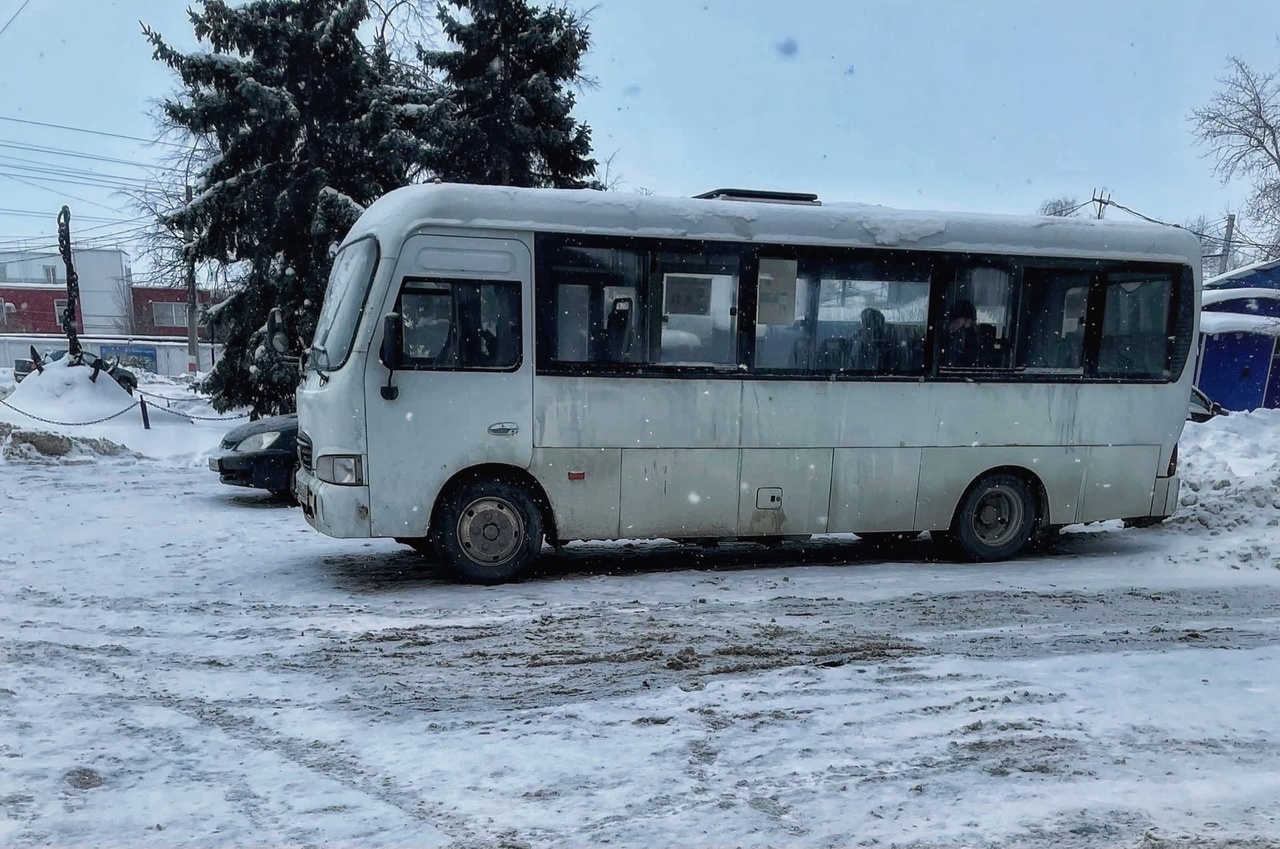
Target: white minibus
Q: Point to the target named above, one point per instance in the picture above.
(495, 368)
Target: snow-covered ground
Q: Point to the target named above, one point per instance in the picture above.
(183, 663)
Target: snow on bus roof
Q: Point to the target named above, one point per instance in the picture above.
(582, 211)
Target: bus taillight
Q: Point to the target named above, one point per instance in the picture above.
(1173, 462)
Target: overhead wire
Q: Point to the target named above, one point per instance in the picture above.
(55, 176)
(88, 131)
(47, 243)
(62, 194)
(34, 213)
(9, 22)
(75, 154)
(130, 226)
(41, 164)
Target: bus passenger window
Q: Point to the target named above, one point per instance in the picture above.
(976, 322)
(697, 294)
(1051, 324)
(595, 305)
(461, 324)
(870, 315)
(1136, 335)
(782, 301)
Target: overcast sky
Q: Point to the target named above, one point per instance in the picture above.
(979, 105)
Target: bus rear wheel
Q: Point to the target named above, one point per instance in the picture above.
(995, 519)
(490, 532)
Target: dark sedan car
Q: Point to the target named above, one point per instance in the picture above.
(261, 454)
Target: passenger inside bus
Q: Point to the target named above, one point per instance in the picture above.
(960, 341)
(873, 349)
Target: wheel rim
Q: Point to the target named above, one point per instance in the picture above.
(490, 531)
(998, 516)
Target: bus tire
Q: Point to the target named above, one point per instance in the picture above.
(995, 519)
(490, 532)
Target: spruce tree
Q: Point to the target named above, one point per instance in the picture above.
(507, 118)
(309, 125)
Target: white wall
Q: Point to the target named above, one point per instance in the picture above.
(100, 272)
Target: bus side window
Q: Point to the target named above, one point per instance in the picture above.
(594, 305)
(693, 308)
(1136, 339)
(1051, 326)
(842, 315)
(782, 334)
(976, 323)
(460, 324)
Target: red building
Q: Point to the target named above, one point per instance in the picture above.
(33, 294)
(163, 312)
(36, 308)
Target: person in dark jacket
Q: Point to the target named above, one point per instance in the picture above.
(960, 337)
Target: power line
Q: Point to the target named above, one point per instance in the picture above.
(62, 175)
(130, 231)
(115, 180)
(33, 213)
(15, 16)
(58, 151)
(88, 131)
(74, 169)
(61, 194)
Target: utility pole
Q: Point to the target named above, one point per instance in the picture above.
(1226, 244)
(193, 350)
(1101, 199)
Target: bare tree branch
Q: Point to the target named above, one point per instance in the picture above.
(1063, 207)
(1240, 127)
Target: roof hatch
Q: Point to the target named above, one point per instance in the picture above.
(759, 196)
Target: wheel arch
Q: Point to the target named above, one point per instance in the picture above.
(1030, 478)
(496, 471)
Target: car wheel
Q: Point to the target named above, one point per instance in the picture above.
(490, 531)
(995, 519)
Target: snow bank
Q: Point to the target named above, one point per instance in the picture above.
(63, 401)
(65, 393)
(1230, 468)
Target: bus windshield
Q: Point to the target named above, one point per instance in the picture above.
(349, 281)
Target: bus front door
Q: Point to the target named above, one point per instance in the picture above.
(464, 387)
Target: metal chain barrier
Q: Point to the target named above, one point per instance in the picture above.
(71, 424)
(155, 397)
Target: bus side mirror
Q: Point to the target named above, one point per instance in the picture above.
(275, 331)
(392, 345)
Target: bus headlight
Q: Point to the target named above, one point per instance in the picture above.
(342, 469)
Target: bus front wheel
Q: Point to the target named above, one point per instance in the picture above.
(490, 532)
(996, 518)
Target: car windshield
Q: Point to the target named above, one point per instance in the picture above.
(353, 269)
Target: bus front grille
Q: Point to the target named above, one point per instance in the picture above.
(304, 450)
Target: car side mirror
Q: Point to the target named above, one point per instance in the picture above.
(390, 352)
(275, 331)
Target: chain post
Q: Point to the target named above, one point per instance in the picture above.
(73, 288)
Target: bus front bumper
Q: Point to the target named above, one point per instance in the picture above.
(336, 511)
